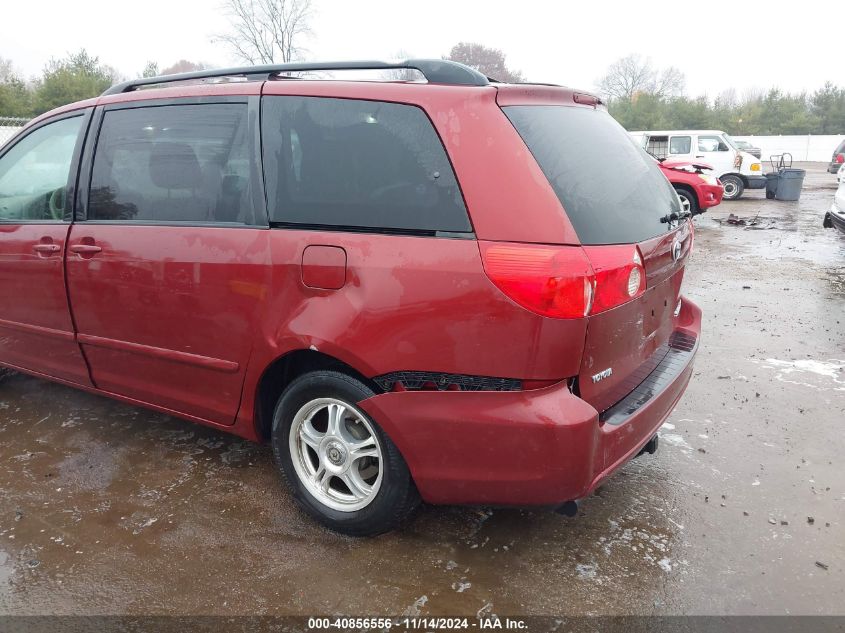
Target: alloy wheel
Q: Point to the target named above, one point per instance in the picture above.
(686, 206)
(337, 454)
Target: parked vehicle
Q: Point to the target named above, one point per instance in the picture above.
(745, 146)
(835, 218)
(409, 290)
(838, 158)
(697, 188)
(736, 169)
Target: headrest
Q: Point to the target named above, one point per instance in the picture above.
(174, 166)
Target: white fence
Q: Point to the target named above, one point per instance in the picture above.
(7, 132)
(9, 127)
(807, 147)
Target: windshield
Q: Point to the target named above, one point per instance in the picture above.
(612, 190)
(731, 142)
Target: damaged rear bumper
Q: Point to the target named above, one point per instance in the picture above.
(541, 447)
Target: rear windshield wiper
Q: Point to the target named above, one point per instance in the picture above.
(672, 217)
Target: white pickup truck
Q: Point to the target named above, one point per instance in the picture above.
(736, 169)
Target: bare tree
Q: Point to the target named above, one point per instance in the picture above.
(632, 75)
(670, 82)
(183, 66)
(401, 74)
(625, 77)
(726, 99)
(267, 31)
(7, 71)
(752, 94)
(488, 61)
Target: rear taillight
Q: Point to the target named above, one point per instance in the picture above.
(619, 275)
(840, 158)
(565, 282)
(554, 281)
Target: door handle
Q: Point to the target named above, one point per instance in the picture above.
(48, 249)
(85, 249)
(699, 156)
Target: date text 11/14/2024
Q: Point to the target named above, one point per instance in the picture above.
(417, 623)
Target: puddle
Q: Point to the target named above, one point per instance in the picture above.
(798, 371)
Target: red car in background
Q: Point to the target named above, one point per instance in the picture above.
(695, 184)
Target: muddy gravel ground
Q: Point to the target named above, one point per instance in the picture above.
(108, 509)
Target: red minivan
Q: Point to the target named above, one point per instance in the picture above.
(413, 290)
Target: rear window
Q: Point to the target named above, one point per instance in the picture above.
(612, 190)
(356, 164)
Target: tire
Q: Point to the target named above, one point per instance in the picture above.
(733, 186)
(5, 373)
(317, 459)
(689, 201)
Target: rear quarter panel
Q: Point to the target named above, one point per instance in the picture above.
(411, 303)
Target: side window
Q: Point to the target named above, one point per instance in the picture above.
(34, 173)
(680, 144)
(711, 144)
(180, 163)
(357, 164)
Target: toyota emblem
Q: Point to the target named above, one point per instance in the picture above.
(676, 251)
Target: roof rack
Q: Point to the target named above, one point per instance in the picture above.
(438, 71)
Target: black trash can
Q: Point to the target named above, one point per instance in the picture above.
(789, 184)
(771, 184)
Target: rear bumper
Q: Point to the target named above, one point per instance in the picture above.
(754, 182)
(522, 448)
(833, 167)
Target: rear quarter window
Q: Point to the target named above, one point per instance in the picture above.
(356, 164)
(611, 189)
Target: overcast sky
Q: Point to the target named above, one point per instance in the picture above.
(716, 44)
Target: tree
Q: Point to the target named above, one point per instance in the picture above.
(267, 31)
(647, 112)
(7, 71)
(488, 61)
(77, 77)
(828, 107)
(683, 113)
(15, 98)
(632, 75)
(669, 82)
(184, 66)
(150, 70)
